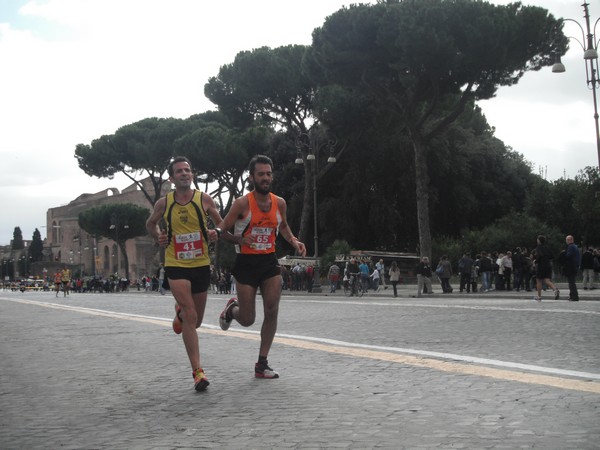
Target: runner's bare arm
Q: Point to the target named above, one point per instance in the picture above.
(210, 208)
(238, 210)
(285, 230)
(152, 224)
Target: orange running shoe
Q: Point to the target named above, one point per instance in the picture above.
(177, 322)
(200, 380)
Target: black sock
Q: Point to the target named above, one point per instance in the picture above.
(262, 360)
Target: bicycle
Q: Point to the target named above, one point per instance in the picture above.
(353, 286)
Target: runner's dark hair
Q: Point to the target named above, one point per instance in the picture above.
(176, 160)
(259, 159)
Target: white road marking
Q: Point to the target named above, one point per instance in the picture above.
(451, 306)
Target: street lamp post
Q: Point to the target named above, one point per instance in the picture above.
(589, 44)
(305, 140)
(5, 270)
(10, 269)
(96, 259)
(78, 239)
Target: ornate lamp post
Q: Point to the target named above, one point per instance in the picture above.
(589, 45)
(78, 239)
(312, 146)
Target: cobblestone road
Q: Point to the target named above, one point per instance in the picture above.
(483, 371)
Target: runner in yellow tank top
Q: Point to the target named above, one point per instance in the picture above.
(186, 225)
(65, 280)
(187, 265)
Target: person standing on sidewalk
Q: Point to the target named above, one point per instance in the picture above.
(424, 276)
(161, 279)
(587, 267)
(334, 277)
(380, 266)
(465, 266)
(572, 262)
(258, 217)
(543, 268)
(364, 275)
(376, 279)
(507, 268)
(394, 277)
(475, 273)
(445, 274)
(351, 276)
(485, 269)
(187, 263)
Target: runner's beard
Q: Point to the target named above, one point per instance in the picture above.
(262, 190)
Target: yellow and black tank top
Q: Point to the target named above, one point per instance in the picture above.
(263, 225)
(186, 229)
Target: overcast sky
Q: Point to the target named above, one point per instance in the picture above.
(73, 70)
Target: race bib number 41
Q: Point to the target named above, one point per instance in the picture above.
(188, 246)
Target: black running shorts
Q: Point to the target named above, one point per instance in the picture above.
(198, 276)
(254, 269)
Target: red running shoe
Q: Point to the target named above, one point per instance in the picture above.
(224, 321)
(262, 370)
(177, 322)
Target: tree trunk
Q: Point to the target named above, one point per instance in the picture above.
(422, 190)
(123, 247)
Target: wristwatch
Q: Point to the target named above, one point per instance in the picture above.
(219, 231)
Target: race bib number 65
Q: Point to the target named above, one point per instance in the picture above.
(262, 238)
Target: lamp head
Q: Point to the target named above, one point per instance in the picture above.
(558, 66)
(590, 53)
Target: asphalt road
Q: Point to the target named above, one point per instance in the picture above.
(453, 371)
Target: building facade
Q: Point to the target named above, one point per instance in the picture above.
(89, 255)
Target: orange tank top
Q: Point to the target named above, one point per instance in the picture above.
(263, 225)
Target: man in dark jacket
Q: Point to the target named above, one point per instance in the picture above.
(423, 271)
(485, 269)
(465, 264)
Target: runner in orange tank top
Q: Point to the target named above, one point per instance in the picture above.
(257, 218)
